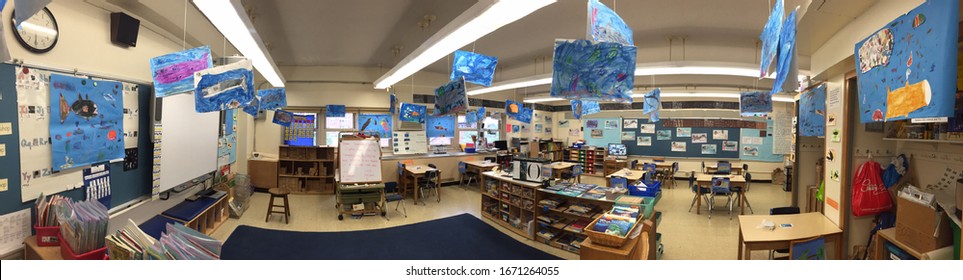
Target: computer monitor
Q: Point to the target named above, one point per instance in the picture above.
(617, 150)
(439, 141)
(501, 145)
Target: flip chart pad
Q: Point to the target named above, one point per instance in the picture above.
(360, 161)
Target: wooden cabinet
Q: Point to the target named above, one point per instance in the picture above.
(611, 166)
(509, 203)
(263, 172)
(306, 169)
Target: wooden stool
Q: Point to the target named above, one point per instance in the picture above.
(278, 193)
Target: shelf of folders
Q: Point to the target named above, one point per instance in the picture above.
(83, 226)
(177, 243)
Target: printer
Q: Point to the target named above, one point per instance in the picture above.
(531, 169)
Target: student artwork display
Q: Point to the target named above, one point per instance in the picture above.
(336, 111)
(647, 128)
(592, 124)
(131, 115)
(708, 149)
(475, 68)
(253, 107)
(563, 123)
(471, 120)
(224, 87)
(516, 128)
(644, 141)
(538, 128)
(678, 146)
(907, 69)
(700, 138)
(174, 73)
(683, 132)
(812, 112)
(628, 135)
(787, 46)
(611, 124)
(730, 146)
(596, 133)
(227, 149)
(720, 134)
(392, 102)
(590, 107)
(630, 123)
(272, 98)
(450, 98)
(481, 113)
(770, 37)
(755, 103)
(513, 109)
(665, 134)
(604, 25)
(593, 71)
(411, 112)
(375, 124)
(441, 126)
(283, 118)
(87, 126)
(525, 115)
(651, 103)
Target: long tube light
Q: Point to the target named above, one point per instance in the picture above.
(229, 17)
(713, 95)
(479, 20)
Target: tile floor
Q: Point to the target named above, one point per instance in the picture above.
(686, 236)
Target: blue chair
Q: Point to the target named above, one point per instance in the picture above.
(742, 191)
(463, 170)
(810, 249)
(723, 168)
(431, 183)
(700, 192)
(392, 195)
(634, 164)
(720, 187)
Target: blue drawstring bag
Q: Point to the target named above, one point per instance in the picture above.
(895, 170)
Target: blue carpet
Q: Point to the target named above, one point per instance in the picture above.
(462, 237)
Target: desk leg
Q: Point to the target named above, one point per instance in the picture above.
(839, 246)
(699, 209)
(742, 246)
(416, 187)
(742, 202)
(438, 186)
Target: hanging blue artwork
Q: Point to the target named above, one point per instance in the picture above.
(590, 107)
(224, 87)
(787, 45)
(754, 103)
(585, 70)
(253, 107)
(907, 69)
(89, 128)
(174, 73)
(525, 115)
(450, 98)
(476, 68)
(27, 9)
(392, 104)
(334, 111)
(770, 38)
(604, 25)
(440, 126)
(512, 109)
(652, 101)
(283, 118)
(654, 117)
(412, 113)
(471, 118)
(375, 124)
(481, 113)
(272, 99)
(577, 109)
(812, 112)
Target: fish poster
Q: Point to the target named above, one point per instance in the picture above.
(720, 134)
(812, 112)
(450, 98)
(678, 146)
(441, 126)
(644, 141)
(474, 67)
(907, 69)
(787, 45)
(770, 37)
(224, 87)
(272, 98)
(628, 135)
(253, 107)
(174, 73)
(647, 128)
(665, 134)
(375, 124)
(587, 71)
(89, 126)
(412, 113)
(283, 118)
(709, 149)
(730, 146)
(630, 123)
(700, 138)
(334, 111)
(755, 103)
(604, 25)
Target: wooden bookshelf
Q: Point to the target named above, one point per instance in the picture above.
(306, 170)
(509, 203)
(562, 227)
(549, 149)
(591, 158)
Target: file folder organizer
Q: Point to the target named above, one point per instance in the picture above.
(157, 225)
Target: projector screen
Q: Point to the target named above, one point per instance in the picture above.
(188, 140)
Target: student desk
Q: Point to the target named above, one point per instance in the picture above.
(560, 167)
(416, 172)
(804, 226)
(714, 168)
(477, 167)
(32, 251)
(734, 181)
(631, 175)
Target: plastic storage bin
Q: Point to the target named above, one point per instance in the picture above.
(652, 189)
(895, 253)
(646, 204)
(47, 236)
(68, 254)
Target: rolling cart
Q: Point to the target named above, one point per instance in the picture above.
(359, 176)
(352, 194)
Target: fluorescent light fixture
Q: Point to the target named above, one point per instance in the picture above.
(229, 17)
(713, 95)
(541, 79)
(479, 20)
(542, 99)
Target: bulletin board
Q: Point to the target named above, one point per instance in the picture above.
(609, 134)
(756, 144)
(126, 185)
(664, 147)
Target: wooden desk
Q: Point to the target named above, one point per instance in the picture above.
(632, 175)
(560, 167)
(477, 167)
(31, 251)
(734, 181)
(418, 171)
(734, 169)
(805, 226)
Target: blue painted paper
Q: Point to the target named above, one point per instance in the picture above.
(412, 113)
(604, 25)
(336, 111)
(273, 98)
(223, 87)
(753, 103)
(174, 73)
(392, 103)
(770, 37)
(476, 68)
(87, 125)
(652, 101)
(283, 118)
(25, 9)
(481, 113)
(577, 109)
(471, 118)
(440, 126)
(812, 112)
(230, 122)
(585, 70)
(787, 45)
(375, 124)
(450, 98)
(590, 107)
(907, 69)
(253, 107)
(525, 115)
(512, 109)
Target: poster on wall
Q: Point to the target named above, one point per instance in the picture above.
(708, 149)
(174, 73)
(647, 128)
(579, 72)
(611, 124)
(730, 146)
(226, 149)
(678, 146)
(812, 112)
(375, 124)
(131, 115)
(36, 167)
(644, 141)
(683, 132)
(224, 87)
(628, 135)
(473, 67)
(412, 113)
(665, 134)
(630, 123)
(441, 126)
(907, 68)
(597, 133)
(451, 98)
(720, 134)
(700, 138)
(89, 121)
(604, 25)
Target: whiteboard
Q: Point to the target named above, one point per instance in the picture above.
(188, 141)
(360, 161)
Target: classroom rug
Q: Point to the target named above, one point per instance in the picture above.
(462, 237)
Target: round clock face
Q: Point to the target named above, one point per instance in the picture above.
(39, 33)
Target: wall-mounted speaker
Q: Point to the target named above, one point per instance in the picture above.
(123, 29)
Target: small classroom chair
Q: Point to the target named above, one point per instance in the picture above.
(720, 186)
(699, 191)
(392, 195)
(809, 249)
(782, 211)
(286, 208)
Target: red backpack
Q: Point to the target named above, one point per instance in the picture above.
(870, 196)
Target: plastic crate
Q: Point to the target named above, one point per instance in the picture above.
(646, 204)
(652, 189)
(47, 236)
(68, 254)
(895, 253)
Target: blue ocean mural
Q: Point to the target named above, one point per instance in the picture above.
(375, 124)
(770, 37)
(440, 126)
(451, 98)
(272, 98)
(585, 70)
(755, 103)
(412, 113)
(89, 128)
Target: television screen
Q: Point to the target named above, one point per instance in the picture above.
(617, 149)
(439, 141)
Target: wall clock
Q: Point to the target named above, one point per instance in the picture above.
(39, 33)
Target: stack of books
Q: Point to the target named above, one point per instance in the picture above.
(550, 202)
(83, 224)
(178, 243)
(46, 217)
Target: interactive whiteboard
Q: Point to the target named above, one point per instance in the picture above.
(188, 147)
(359, 161)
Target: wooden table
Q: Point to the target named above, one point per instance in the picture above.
(631, 175)
(804, 226)
(734, 169)
(734, 181)
(560, 167)
(478, 166)
(32, 251)
(418, 171)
